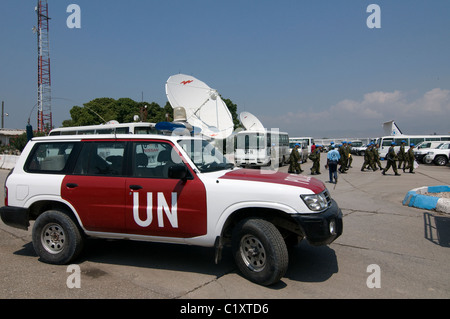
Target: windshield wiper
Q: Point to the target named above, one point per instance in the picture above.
(217, 167)
(229, 165)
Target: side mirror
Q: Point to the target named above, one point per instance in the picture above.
(178, 172)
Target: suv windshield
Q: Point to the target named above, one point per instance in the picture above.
(205, 156)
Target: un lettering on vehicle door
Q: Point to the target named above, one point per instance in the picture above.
(157, 205)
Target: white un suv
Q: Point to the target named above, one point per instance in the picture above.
(163, 189)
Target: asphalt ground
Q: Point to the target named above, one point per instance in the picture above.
(387, 250)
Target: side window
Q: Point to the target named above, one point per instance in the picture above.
(49, 157)
(153, 159)
(145, 130)
(387, 142)
(416, 141)
(100, 158)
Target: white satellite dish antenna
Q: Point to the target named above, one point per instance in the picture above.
(204, 107)
(250, 122)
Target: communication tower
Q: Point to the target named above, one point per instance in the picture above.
(44, 117)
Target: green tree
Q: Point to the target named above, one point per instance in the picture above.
(102, 110)
(123, 110)
(233, 110)
(20, 141)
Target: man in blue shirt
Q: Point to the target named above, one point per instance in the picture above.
(332, 163)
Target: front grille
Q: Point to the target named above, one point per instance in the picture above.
(327, 195)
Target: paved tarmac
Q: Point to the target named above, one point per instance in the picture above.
(387, 250)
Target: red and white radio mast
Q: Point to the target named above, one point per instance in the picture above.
(44, 117)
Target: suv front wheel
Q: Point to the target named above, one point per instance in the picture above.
(259, 251)
(441, 160)
(56, 238)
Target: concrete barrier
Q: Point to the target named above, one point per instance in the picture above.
(8, 161)
(416, 198)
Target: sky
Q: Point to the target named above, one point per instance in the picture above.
(309, 68)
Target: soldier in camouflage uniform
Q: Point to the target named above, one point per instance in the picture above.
(401, 155)
(377, 155)
(350, 158)
(369, 158)
(343, 152)
(315, 157)
(294, 161)
(391, 157)
(410, 159)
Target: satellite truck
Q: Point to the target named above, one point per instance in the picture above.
(257, 146)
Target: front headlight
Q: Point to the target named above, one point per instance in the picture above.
(315, 202)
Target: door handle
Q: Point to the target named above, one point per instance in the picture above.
(135, 187)
(71, 185)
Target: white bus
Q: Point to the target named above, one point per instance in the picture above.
(386, 141)
(261, 148)
(109, 128)
(309, 141)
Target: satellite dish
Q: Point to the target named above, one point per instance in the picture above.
(204, 107)
(250, 122)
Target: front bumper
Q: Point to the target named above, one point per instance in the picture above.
(419, 157)
(16, 217)
(322, 228)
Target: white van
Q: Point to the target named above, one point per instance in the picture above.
(386, 141)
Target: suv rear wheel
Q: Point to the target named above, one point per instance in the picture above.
(259, 251)
(56, 238)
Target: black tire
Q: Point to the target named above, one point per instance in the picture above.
(440, 161)
(259, 251)
(56, 238)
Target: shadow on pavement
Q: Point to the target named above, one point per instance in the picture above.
(437, 229)
(306, 263)
(311, 264)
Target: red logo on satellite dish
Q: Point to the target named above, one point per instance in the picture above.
(186, 82)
